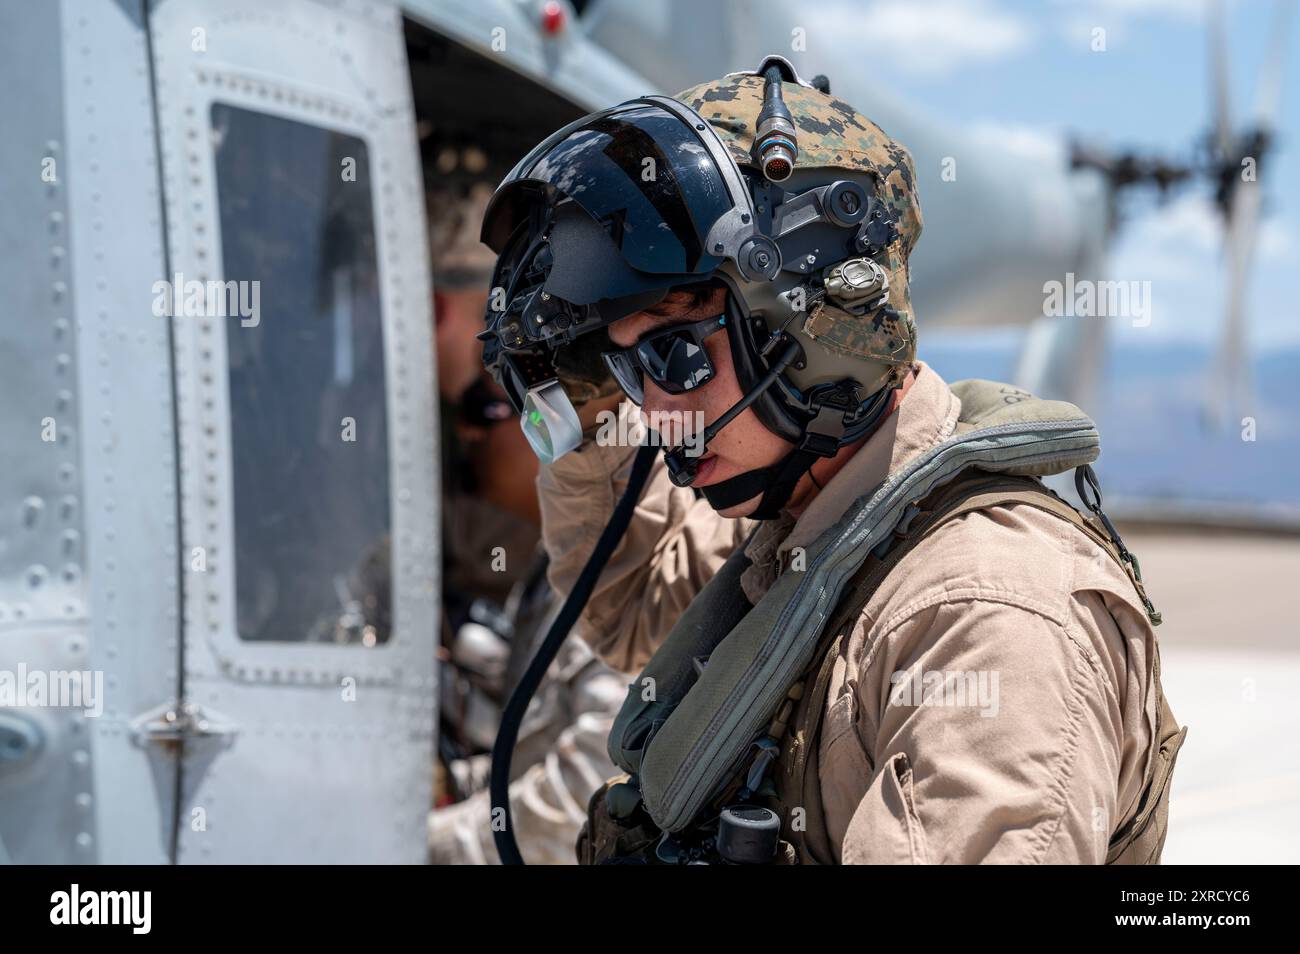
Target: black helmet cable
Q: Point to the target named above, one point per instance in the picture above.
(513, 715)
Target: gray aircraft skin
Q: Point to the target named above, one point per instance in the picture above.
(180, 509)
(196, 506)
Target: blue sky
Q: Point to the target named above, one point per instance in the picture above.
(1029, 66)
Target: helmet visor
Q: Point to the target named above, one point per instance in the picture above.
(644, 174)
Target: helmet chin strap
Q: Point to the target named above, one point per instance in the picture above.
(775, 482)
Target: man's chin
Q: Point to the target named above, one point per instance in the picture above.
(712, 471)
(742, 509)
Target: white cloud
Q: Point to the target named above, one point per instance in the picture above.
(1276, 242)
(934, 38)
(1115, 16)
(1178, 247)
(1020, 139)
(1192, 223)
(1189, 222)
(1177, 9)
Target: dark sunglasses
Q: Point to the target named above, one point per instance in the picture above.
(674, 359)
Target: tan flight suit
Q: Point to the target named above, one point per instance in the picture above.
(1042, 766)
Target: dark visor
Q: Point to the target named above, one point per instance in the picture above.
(643, 174)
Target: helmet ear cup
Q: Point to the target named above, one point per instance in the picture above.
(744, 337)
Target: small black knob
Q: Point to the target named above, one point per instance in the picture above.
(748, 834)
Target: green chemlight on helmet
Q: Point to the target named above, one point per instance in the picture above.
(549, 422)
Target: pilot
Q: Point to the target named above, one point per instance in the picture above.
(866, 631)
(496, 598)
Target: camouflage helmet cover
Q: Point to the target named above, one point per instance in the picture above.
(832, 135)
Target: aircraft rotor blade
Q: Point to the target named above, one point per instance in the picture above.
(1219, 93)
(1233, 380)
(1268, 94)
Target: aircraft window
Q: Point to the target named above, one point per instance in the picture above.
(308, 429)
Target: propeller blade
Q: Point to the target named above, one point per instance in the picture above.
(1232, 388)
(1219, 93)
(1268, 95)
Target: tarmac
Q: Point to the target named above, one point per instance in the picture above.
(1230, 665)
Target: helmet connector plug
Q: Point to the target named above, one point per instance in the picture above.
(776, 144)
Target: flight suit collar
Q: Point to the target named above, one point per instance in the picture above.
(926, 416)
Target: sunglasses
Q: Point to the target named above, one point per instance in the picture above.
(674, 359)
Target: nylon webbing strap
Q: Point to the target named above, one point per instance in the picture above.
(975, 490)
(964, 495)
(971, 491)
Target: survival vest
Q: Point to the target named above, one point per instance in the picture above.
(744, 728)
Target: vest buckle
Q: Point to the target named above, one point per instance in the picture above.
(767, 753)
